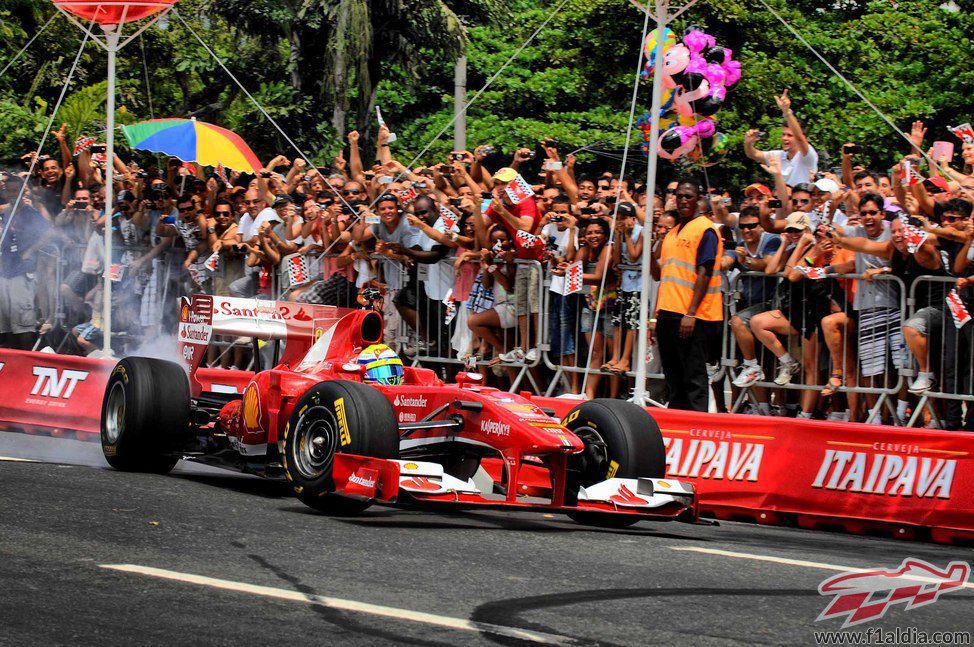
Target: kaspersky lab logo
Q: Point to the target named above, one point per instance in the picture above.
(863, 596)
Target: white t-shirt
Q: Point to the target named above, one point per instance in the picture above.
(441, 276)
(799, 168)
(549, 232)
(249, 225)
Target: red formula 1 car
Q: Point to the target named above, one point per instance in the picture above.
(348, 425)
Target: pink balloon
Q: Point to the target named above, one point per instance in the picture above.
(733, 71)
(697, 41)
(715, 75)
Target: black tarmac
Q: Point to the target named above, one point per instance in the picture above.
(79, 542)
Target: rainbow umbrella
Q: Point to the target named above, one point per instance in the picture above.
(193, 141)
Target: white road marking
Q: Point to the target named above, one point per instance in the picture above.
(348, 605)
(11, 459)
(796, 562)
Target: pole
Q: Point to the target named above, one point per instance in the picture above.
(459, 101)
(112, 34)
(640, 394)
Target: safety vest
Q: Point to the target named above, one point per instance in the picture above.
(679, 271)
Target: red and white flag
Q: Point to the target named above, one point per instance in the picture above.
(813, 273)
(911, 176)
(957, 309)
(964, 132)
(221, 173)
(297, 269)
(81, 144)
(212, 262)
(449, 218)
(408, 195)
(451, 308)
(518, 190)
(115, 271)
(526, 241)
(573, 278)
(914, 236)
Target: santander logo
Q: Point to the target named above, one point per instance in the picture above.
(407, 401)
(364, 482)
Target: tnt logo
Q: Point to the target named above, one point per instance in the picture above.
(867, 595)
(56, 384)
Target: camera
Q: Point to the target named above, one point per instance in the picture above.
(455, 202)
(850, 149)
(98, 148)
(760, 135)
(487, 195)
(347, 210)
(264, 174)
(528, 156)
(557, 218)
(774, 204)
(588, 211)
(444, 169)
(487, 150)
(420, 185)
(457, 157)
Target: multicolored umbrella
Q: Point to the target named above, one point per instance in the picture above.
(193, 141)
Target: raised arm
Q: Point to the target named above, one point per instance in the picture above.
(784, 102)
(355, 168)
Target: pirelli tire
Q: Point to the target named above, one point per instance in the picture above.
(145, 411)
(621, 440)
(336, 416)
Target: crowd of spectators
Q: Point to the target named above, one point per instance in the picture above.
(470, 262)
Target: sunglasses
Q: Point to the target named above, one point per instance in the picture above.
(933, 189)
(352, 192)
(869, 212)
(185, 209)
(220, 214)
(670, 191)
(798, 202)
(946, 218)
(685, 196)
(603, 186)
(791, 230)
(753, 225)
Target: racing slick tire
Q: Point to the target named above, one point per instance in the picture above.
(621, 440)
(331, 417)
(145, 410)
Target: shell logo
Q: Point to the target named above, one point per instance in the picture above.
(251, 408)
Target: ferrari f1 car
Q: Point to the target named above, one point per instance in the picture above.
(344, 421)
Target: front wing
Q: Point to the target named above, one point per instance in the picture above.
(415, 482)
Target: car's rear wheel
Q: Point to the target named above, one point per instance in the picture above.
(621, 440)
(145, 411)
(333, 417)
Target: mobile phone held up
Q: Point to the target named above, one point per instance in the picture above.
(553, 165)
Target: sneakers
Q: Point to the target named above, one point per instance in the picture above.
(514, 356)
(922, 384)
(748, 376)
(713, 371)
(786, 371)
(531, 356)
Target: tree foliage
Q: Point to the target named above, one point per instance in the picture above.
(320, 66)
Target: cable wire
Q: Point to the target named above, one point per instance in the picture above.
(47, 131)
(24, 48)
(852, 87)
(615, 211)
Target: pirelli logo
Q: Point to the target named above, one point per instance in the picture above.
(344, 437)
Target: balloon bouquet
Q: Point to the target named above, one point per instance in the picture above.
(696, 75)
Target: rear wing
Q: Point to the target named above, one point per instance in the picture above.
(298, 325)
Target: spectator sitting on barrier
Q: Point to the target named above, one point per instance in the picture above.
(751, 255)
(627, 250)
(802, 304)
(497, 277)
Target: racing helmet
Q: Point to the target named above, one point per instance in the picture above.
(382, 365)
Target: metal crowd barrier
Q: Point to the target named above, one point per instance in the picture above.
(949, 356)
(883, 394)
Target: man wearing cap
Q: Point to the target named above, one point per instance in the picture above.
(523, 216)
(689, 290)
(799, 161)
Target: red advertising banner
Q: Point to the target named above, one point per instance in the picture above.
(764, 468)
(919, 477)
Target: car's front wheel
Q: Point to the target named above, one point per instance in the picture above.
(621, 440)
(333, 417)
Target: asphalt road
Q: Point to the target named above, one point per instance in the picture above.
(90, 556)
